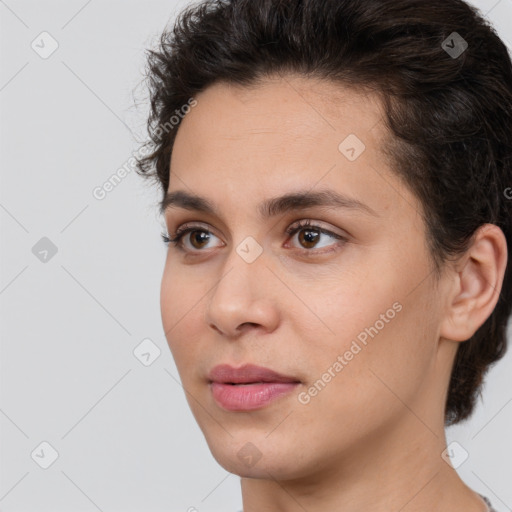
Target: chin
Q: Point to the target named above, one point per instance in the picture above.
(250, 458)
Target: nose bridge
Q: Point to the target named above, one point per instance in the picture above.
(240, 296)
(243, 270)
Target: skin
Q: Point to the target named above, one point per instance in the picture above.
(372, 438)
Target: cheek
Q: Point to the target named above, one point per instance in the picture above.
(371, 381)
(350, 308)
(181, 311)
(169, 305)
(379, 330)
(393, 364)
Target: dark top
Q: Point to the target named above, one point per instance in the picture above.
(488, 503)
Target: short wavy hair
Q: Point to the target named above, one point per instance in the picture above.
(448, 114)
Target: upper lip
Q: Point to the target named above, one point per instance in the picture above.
(249, 373)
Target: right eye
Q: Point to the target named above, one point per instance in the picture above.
(196, 242)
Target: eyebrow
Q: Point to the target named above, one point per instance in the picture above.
(271, 207)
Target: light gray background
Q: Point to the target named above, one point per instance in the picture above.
(125, 438)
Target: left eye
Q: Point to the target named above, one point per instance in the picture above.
(309, 235)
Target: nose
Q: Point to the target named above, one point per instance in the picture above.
(244, 298)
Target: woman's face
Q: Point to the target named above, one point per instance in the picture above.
(351, 315)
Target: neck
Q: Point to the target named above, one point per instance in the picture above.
(401, 470)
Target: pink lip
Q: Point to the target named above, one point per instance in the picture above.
(248, 387)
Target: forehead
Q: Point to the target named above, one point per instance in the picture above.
(289, 133)
(288, 104)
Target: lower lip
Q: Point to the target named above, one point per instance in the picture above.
(247, 397)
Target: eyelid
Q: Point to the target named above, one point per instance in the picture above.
(314, 225)
(195, 225)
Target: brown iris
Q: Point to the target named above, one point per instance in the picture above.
(199, 237)
(309, 237)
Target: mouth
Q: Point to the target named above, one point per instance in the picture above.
(249, 387)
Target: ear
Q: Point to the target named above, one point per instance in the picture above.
(476, 285)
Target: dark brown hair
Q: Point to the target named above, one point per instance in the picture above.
(448, 110)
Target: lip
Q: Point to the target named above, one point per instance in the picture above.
(248, 387)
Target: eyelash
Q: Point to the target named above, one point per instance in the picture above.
(292, 230)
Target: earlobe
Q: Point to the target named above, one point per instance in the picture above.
(476, 285)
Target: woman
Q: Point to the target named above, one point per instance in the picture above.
(337, 283)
